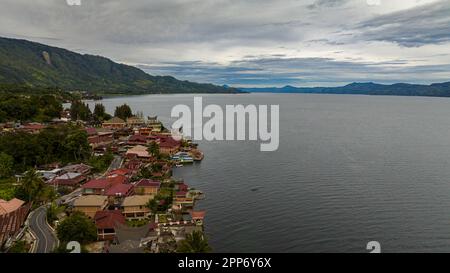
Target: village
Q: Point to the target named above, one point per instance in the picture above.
(135, 204)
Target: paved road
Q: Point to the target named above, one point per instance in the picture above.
(115, 164)
(46, 240)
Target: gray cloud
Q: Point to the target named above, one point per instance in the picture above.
(248, 42)
(418, 26)
(277, 71)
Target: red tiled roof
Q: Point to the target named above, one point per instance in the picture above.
(181, 193)
(198, 215)
(120, 189)
(183, 187)
(104, 183)
(148, 183)
(122, 171)
(101, 183)
(108, 219)
(34, 127)
(138, 138)
(91, 131)
(168, 142)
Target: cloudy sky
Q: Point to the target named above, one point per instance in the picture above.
(250, 42)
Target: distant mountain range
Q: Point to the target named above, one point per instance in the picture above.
(399, 89)
(36, 65)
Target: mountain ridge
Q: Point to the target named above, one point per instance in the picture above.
(28, 63)
(365, 88)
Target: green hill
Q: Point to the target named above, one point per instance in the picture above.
(36, 65)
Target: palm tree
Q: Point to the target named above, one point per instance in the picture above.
(194, 243)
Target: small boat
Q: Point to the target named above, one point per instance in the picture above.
(179, 165)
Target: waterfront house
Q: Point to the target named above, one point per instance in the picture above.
(183, 202)
(168, 145)
(106, 222)
(135, 207)
(147, 187)
(198, 217)
(90, 204)
(114, 123)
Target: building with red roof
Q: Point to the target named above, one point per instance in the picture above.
(102, 185)
(13, 214)
(147, 187)
(122, 172)
(137, 140)
(120, 190)
(168, 145)
(71, 180)
(198, 217)
(106, 223)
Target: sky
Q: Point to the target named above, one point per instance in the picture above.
(249, 43)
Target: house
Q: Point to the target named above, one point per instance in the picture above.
(114, 123)
(50, 175)
(133, 165)
(78, 168)
(137, 140)
(102, 185)
(72, 180)
(183, 202)
(90, 204)
(147, 187)
(135, 122)
(106, 223)
(168, 145)
(154, 124)
(123, 172)
(198, 217)
(135, 207)
(140, 151)
(33, 128)
(145, 131)
(13, 214)
(118, 192)
(181, 194)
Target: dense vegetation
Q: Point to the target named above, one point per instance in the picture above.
(64, 144)
(123, 112)
(32, 64)
(77, 227)
(194, 243)
(400, 89)
(23, 108)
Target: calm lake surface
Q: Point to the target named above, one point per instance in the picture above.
(349, 170)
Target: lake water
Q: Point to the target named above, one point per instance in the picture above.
(349, 170)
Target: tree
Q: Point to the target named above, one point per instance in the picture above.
(32, 187)
(194, 243)
(77, 227)
(123, 112)
(76, 144)
(6, 165)
(100, 112)
(80, 111)
(153, 149)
